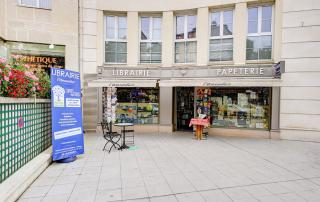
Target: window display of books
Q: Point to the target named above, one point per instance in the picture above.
(235, 108)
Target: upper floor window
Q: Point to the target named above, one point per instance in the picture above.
(46, 4)
(221, 37)
(150, 40)
(259, 39)
(116, 39)
(185, 43)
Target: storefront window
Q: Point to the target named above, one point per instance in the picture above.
(138, 105)
(38, 55)
(235, 107)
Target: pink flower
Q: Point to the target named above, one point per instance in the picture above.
(33, 89)
(16, 56)
(31, 76)
(10, 73)
(0, 71)
(3, 60)
(6, 78)
(27, 66)
(7, 66)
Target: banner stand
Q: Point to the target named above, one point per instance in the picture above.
(66, 108)
(67, 160)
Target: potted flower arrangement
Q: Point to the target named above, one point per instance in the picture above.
(17, 80)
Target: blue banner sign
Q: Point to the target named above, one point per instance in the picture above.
(67, 133)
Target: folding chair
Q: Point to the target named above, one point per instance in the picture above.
(112, 137)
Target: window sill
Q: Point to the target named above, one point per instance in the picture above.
(114, 64)
(259, 61)
(184, 64)
(26, 6)
(150, 65)
(221, 63)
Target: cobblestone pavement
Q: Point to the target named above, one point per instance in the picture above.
(178, 168)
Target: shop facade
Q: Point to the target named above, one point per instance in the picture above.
(241, 98)
(179, 43)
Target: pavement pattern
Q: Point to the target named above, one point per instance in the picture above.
(176, 167)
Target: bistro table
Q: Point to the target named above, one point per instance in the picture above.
(199, 123)
(123, 125)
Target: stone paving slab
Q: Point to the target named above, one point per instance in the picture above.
(168, 167)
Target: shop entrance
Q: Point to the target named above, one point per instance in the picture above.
(184, 107)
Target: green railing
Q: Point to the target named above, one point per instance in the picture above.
(25, 132)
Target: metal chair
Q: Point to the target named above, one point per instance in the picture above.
(109, 136)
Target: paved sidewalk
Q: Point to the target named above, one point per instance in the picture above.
(178, 168)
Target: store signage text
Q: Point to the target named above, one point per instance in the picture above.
(62, 73)
(216, 84)
(121, 85)
(240, 71)
(131, 72)
(45, 62)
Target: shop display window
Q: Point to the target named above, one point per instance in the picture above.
(235, 107)
(138, 105)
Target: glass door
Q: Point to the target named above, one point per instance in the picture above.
(184, 107)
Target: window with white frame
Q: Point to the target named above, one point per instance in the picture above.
(116, 39)
(259, 38)
(221, 37)
(150, 40)
(46, 4)
(185, 42)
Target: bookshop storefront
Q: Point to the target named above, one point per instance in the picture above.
(244, 98)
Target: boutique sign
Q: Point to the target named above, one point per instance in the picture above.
(40, 61)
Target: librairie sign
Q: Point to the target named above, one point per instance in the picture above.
(67, 133)
(195, 72)
(131, 72)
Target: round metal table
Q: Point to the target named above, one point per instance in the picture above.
(123, 125)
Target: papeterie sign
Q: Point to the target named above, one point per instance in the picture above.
(67, 132)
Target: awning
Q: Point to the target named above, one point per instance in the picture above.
(254, 82)
(122, 83)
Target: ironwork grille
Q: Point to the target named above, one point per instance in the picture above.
(25, 132)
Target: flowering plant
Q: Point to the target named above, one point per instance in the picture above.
(44, 84)
(17, 80)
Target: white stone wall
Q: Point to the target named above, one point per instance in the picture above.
(300, 94)
(90, 22)
(2, 19)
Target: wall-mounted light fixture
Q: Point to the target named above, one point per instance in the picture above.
(51, 46)
(100, 70)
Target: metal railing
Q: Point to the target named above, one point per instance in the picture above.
(25, 132)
